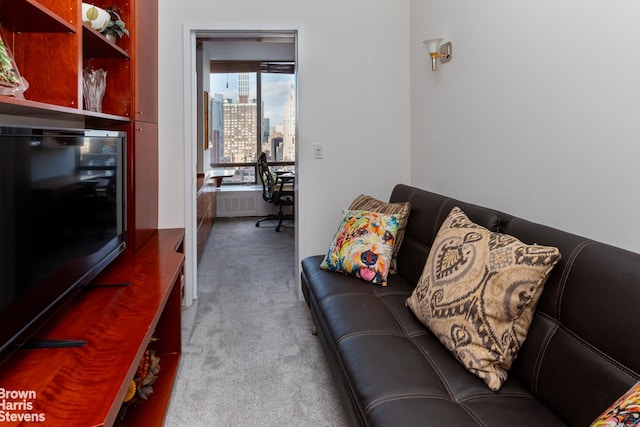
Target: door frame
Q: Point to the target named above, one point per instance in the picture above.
(191, 99)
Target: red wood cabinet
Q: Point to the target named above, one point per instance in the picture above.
(145, 62)
(52, 46)
(143, 181)
(144, 133)
(84, 386)
(205, 211)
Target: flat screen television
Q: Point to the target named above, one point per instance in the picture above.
(62, 220)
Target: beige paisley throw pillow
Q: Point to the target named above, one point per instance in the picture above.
(478, 293)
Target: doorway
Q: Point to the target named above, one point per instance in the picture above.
(268, 50)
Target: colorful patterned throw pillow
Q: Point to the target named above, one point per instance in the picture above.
(368, 203)
(363, 245)
(478, 292)
(623, 412)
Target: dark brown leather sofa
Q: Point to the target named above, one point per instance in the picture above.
(582, 351)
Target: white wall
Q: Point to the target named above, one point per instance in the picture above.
(537, 114)
(353, 97)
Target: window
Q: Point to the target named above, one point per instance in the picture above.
(252, 110)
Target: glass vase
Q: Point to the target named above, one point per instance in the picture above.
(94, 83)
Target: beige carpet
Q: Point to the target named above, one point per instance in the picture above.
(249, 358)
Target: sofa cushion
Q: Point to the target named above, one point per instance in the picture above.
(391, 371)
(363, 245)
(368, 203)
(478, 293)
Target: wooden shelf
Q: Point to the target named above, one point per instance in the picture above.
(95, 45)
(31, 16)
(84, 386)
(105, 116)
(153, 411)
(28, 108)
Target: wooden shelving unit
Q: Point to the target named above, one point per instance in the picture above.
(52, 47)
(84, 386)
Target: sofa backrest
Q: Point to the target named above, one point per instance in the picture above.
(583, 347)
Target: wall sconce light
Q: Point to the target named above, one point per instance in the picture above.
(436, 51)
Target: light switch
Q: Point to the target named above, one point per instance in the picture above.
(317, 151)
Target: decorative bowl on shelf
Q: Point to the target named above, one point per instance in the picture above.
(94, 16)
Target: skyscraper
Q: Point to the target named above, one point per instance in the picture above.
(243, 88)
(217, 128)
(240, 125)
(289, 127)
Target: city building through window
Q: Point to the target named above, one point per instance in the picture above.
(252, 109)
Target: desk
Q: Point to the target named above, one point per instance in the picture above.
(286, 179)
(283, 172)
(218, 179)
(285, 176)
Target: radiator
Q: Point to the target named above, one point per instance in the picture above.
(241, 203)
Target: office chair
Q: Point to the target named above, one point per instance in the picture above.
(277, 191)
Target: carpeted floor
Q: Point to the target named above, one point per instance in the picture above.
(249, 358)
